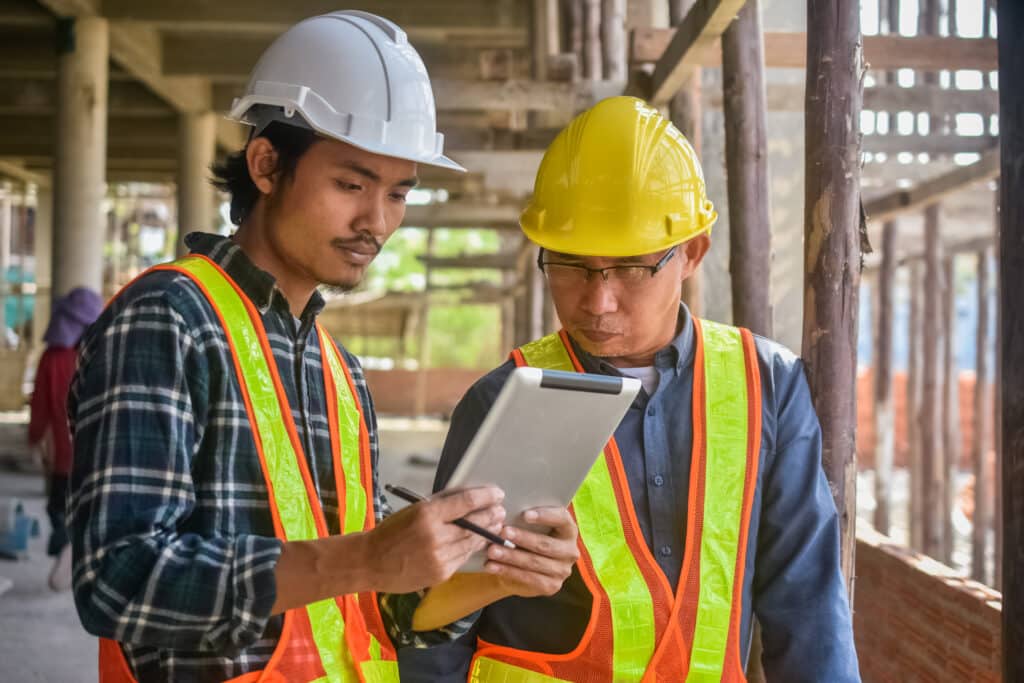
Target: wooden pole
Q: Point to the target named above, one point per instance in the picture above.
(1010, 19)
(746, 157)
(423, 333)
(931, 395)
(997, 499)
(950, 409)
(930, 415)
(685, 112)
(884, 431)
(592, 40)
(574, 22)
(832, 255)
(913, 409)
(613, 39)
(979, 450)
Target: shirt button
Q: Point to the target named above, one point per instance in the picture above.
(658, 480)
(665, 551)
(650, 411)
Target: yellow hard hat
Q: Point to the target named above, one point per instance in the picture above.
(620, 180)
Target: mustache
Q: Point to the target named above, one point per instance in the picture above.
(364, 241)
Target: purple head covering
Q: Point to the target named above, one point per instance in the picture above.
(72, 313)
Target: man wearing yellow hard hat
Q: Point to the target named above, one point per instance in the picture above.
(709, 506)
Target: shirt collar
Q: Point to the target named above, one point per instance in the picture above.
(259, 285)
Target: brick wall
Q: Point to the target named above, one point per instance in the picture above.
(915, 620)
(866, 420)
(394, 391)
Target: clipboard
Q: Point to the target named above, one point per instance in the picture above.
(540, 439)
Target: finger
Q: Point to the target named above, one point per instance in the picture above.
(530, 562)
(488, 517)
(561, 522)
(461, 503)
(542, 544)
(525, 582)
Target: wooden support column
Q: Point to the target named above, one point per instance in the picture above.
(613, 40)
(832, 238)
(930, 416)
(915, 292)
(423, 334)
(931, 396)
(574, 24)
(1010, 19)
(686, 113)
(592, 40)
(746, 158)
(950, 408)
(979, 444)
(884, 428)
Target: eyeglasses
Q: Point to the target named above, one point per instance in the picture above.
(569, 274)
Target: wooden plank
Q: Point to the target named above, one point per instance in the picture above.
(746, 158)
(462, 215)
(499, 261)
(930, 191)
(702, 26)
(1010, 18)
(686, 112)
(913, 404)
(982, 517)
(884, 418)
(240, 16)
(832, 251)
(950, 407)
(938, 144)
(788, 51)
(931, 386)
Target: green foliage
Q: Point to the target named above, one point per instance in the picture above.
(461, 335)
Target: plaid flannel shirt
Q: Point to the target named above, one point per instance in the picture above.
(173, 537)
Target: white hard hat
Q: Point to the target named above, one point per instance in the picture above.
(351, 76)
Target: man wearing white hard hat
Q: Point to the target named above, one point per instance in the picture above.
(226, 518)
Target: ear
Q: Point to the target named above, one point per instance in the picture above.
(261, 158)
(693, 251)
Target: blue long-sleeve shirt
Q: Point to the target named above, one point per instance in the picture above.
(792, 583)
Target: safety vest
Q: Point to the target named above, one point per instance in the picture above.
(639, 628)
(336, 640)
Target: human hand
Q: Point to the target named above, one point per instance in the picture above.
(541, 563)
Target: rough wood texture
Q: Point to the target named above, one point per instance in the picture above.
(930, 415)
(832, 253)
(913, 408)
(788, 50)
(979, 445)
(686, 113)
(950, 408)
(884, 419)
(592, 40)
(613, 39)
(700, 28)
(1011, 244)
(929, 191)
(746, 158)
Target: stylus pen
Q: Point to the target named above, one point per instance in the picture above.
(413, 497)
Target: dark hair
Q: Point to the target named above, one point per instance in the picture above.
(232, 174)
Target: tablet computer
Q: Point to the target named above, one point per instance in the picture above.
(541, 437)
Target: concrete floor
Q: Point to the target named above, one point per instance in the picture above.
(40, 635)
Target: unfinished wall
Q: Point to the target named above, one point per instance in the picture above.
(394, 391)
(915, 620)
(866, 424)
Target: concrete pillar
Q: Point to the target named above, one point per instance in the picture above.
(44, 264)
(197, 147)
(79, 176)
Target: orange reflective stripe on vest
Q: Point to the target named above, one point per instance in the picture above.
(640, 630)
(337, 630)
